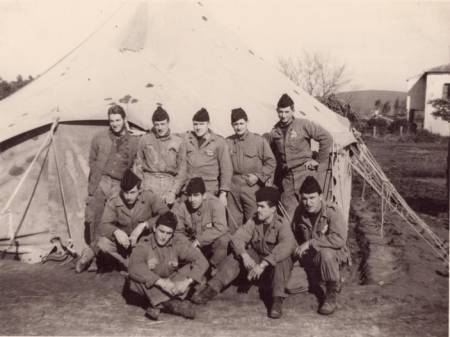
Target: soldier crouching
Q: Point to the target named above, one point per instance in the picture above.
(163, 270)
(263, 247)
(321, 232)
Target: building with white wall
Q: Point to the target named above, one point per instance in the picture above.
(431, 84)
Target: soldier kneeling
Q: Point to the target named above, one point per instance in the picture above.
(163, 269)
(321, 232)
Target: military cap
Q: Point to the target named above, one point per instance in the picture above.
(167, 219)
(129, 180)
(285, 101)
(201, 115)
(310, 185)
(237, 114)
(160, 115)
(268, 193)
(195, 185)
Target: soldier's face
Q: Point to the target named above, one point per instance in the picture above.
(116, 123)
(163, 234)
(285, 114)
(240, 127)
(131, 196)
(312, 202)
(200, 128)
(161, 127)
(264, 211)
(196, 200)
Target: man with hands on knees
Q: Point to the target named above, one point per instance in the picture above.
(164, 270)
(321, 232)
(126, 216)
(263, 246)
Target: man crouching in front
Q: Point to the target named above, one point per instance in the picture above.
(263, 246)
(163, 270)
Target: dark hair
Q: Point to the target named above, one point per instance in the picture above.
(116, 110)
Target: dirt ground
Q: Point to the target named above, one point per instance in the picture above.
(392, 288)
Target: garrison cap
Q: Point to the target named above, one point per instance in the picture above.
(310, 185)
(237, 114)
(268, 193)
(160, 115)
(195, 185)
(201, 115)
(167, 219)
(129, 180)
(285, 101)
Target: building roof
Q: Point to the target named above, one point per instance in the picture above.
(442, 69)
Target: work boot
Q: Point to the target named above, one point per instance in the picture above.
(152, 313)
(329, 305)
(181, 308)
(276, 310)
(204, 296)
(86, 258)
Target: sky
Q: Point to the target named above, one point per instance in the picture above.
(382, 43)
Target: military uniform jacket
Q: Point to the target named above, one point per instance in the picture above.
(251, 153)
(100, 150)
(118, 216)
(150, 262)
(161, 155)
(211, 160)
(294, 149)
(275, 245)
(329, 230)
(205, 224)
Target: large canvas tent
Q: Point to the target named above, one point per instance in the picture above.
(158, 52)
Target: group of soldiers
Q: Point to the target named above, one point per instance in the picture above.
(184, 215)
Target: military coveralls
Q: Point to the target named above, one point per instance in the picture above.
(274, 243)
(176, 260)
(160, 164)
(208, 225)
(327, 236)
(211, 161)
(292, 148)
(118, 216)
(109, 157)
(250, 153)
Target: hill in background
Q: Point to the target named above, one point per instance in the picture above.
(363, 101)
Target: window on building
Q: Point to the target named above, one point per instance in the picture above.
(446, 91)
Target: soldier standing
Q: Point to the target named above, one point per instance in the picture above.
(290, 140)
(158, 161)
(253, 166)
(321, 232)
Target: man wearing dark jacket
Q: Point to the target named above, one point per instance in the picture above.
(321, 233)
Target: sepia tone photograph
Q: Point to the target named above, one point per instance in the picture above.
(224, 168)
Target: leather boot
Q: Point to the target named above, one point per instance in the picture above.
(181, 308)
(329, 305)
(204, 296)
(276, 309)
(152, 313)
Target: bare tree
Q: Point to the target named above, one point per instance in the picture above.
(316, 73)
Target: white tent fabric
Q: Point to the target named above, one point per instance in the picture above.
(148, 53)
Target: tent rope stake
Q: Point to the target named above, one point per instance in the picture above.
(367, 167)
(46, 143)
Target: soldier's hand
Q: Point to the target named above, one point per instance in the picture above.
(300, 250)
(248, 262)
(251, 179)
(122, 238)
(223, 198)
(182, 287)
(169, 197)
(136, 233)
(312, 165)
(166, 285)
(257, 271)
